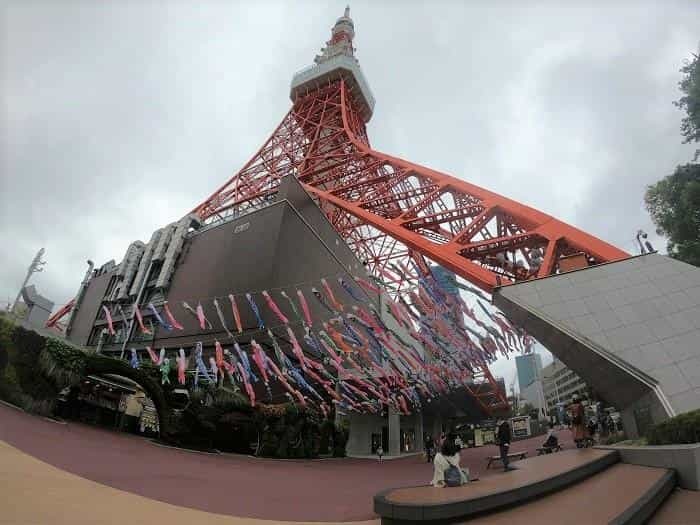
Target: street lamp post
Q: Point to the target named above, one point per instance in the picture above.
(37, 265)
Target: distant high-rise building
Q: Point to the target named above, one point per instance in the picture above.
(561, 383)
(528, 367)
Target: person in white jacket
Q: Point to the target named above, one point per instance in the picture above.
(447, 457)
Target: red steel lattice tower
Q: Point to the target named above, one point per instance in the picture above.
(389, 209)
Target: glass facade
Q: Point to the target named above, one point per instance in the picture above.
(528, 368)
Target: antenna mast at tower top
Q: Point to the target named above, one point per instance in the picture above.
(337, 61)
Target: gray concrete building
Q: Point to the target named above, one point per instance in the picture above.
(37, 308)
(560, 383)
(629, 329)
(535, 396)
(528, 368)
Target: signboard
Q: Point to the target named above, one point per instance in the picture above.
(521, 426)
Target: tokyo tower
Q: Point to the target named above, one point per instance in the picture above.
(390, 211)
(387, 208)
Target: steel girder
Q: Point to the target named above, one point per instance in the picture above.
(384, 206)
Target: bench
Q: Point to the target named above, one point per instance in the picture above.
(512, 455)
(548, 450)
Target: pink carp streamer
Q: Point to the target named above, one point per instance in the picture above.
(273, 306)
(152, 355)
(110, 323)
(361, 362)
(181, 367)
(236, 313)
(329, 292)
(139, 320)
(203, 321)
(171, 317)
(305, 308)
(296, 348)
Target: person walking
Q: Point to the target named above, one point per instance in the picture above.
(578, 424)
(504, 437)
(429, 446)
(592, 430)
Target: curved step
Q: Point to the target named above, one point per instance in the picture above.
(621, 495)
(534, 478)
(682, 506)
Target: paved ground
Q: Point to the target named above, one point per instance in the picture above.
(294, 490)
(35, 493)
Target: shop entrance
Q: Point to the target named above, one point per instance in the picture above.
(380, 439)
(408, 440)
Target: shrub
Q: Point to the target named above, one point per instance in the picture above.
(684, 428)
(63, 363)
(287, 431)
(6, 329)
(613, 439)
(28, 345)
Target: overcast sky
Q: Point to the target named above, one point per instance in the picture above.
(119, 117)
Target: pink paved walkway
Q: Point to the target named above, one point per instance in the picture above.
(294, 490)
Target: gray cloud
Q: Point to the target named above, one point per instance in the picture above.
(119, 117)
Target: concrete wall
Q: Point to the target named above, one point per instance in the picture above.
(84, 318)
(628, 328)
(270, 248)
(362, 426)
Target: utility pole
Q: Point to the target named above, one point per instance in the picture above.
(36, 266)
(644, 247)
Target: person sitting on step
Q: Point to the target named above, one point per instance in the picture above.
(552, 440)
(447, 458)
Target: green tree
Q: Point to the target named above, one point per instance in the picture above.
(674, 206)
(674, 201)
(690, 102)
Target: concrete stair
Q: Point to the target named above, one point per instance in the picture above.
(621, 494)
(583, 487)
(680, 508)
